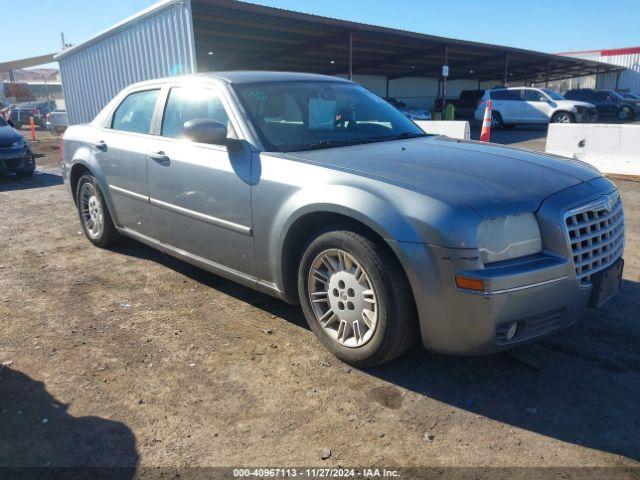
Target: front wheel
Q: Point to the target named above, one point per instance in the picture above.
(562, 117)
(356, 298)
(94, 216)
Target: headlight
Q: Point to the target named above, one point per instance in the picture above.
(509, 237)
(18, 143)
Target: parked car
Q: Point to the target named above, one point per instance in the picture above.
(412, 113)
(15, 155)
(57, 121)
(21, 113)
(465, 105)
(314, 190)
(528, 105)
(608, 102)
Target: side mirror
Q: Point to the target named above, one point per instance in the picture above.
(204, 130)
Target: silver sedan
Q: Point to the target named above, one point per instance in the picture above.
(316, 191)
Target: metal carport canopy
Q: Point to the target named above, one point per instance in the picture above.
(233, 35)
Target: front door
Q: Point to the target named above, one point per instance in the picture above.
(200, 194)
(535, 107)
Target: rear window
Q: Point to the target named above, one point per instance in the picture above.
(471, 94)
(505, 95)
(135, 112)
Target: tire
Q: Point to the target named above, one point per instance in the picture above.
(388, 328)
(98, 226)
(562, 117)
(625, 113)
(496, 121)
(26, 173)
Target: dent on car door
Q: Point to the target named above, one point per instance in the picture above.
(121, 151)
(200, 194)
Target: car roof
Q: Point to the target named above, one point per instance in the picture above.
(245, 76)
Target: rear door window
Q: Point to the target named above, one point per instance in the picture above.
(135, 112)
(513, 95)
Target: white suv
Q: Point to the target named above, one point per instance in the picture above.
(526, 105)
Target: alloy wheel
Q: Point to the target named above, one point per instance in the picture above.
(91, 210)
(343, 298)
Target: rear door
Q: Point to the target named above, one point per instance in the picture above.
(507, 103)
(121, 151)
(201, 193)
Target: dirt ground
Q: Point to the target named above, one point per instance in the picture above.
(127, 357)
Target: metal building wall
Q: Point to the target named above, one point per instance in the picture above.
(156, 43)
(629, 79)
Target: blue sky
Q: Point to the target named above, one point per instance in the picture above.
(544, 25)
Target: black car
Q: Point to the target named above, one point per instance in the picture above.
(15, 155)
(21, 113)
(608, 102)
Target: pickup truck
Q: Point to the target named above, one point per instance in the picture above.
(465, 104)
(314, 190)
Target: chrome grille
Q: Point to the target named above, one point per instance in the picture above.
(596, 233)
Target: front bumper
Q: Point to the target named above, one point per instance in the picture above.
(12, 161)
(541, 293)
(586, 115)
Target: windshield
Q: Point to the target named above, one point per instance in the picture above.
(553, 94)
(303, 115)
(614, 94)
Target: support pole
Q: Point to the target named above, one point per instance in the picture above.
(617, 80)
(506, 70)
(350, 55)
(387, 88)
(444, 81)
(546, 81)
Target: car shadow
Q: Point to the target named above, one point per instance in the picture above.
(10, 182)
(291, 313)
(580, 386)
(40, 439)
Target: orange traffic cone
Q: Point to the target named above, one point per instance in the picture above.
(485, 134)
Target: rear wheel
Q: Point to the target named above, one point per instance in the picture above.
(562, 117)
(356, 298)
(94, 216)
(496, 121)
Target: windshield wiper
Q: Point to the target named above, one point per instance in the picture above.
(406, 135)
(356, 141)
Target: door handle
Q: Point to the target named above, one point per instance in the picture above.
(160, 157)
(100, 145)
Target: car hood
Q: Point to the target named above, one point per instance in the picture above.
(8, 135)
(491, 179)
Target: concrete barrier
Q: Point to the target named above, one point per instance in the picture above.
(452, 129)
(609, 148)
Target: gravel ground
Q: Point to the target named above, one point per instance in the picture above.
(129, 357)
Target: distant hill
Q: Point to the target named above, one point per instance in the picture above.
(33, 75)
